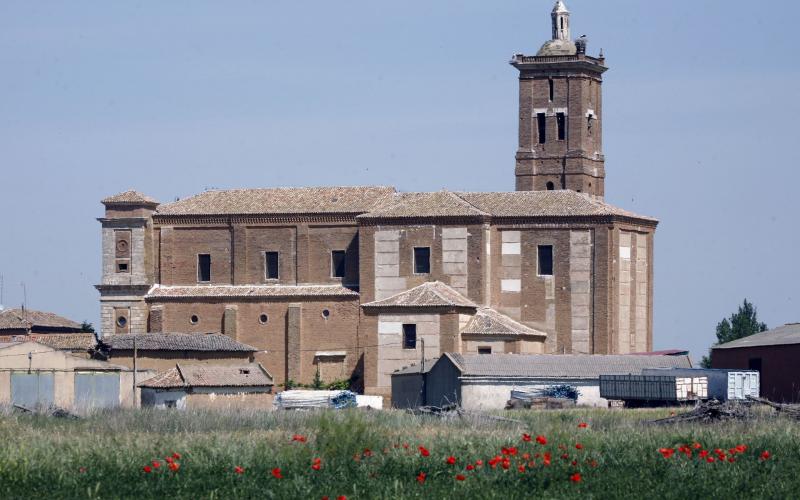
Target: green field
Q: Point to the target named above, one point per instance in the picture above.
(370, 454)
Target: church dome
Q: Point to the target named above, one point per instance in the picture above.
(558, 48)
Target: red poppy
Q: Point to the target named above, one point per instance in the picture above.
(451, 460)
(578, 446)
(710, 460)
(574, 463)
(470, 467)
(168, 460)
(526, 456)
(316, 466)
(176, 456)
(424, 451)
(478, 462)
(460, 477)
(156, 464)
(547, 458)
(82, 470)
(740, 448)
(299, 438)
(731, 459)
(276, 473)
(765, 455)
(421, 477)
(238, 469)
(667, 452)
(341, 497)
(583, 425)
(506, 463)
(593, 463)
(703, 453)
(147, 469)
(576, 478)
(526, 438)
(541, 440)
(367, 452)
(174, 466)
(564, 456)
(697, 446)
(405, 445)
(521, 468)
(325, 497)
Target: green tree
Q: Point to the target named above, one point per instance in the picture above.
(742, 323)
(87, 327)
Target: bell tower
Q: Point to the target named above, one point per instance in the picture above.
(560, 114)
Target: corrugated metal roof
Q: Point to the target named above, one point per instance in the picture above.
(247, 291)
(783, 335)
(184, 376)
(428, 294)
(577, 366)
(416, 368)
(177, 342)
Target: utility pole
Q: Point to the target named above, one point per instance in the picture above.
(135, 355)
(423, 389)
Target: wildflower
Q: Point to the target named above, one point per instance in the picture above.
(168, 460)
(299, 438)
(576, 478)
(460, 477)
(740, 448)
(526, 456)
(276, 473)
(564, 456)
(765, 455)
(731, 460)
(526, 438)
(424, 451)
(470, 467)
(174, 466)
(451, 460)
(521, 468)
(578, 446)
(583, 425)
(541, 440)
(341, 497)
(732, 451)
(316, 464)
(367, 452)
(506, 463)
(147, 469)
(82, 470)
(666, 452)
(696, 445)
(405, 445)
(710, 460)
(156, 464)
(238, 469)
(478, 462)
(574, 463)
(547, 458)
(421, 477)
(176, 456)
(593, 463)
(703, 453)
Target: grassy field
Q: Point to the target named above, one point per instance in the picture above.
(377, 455)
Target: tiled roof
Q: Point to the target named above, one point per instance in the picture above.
(545, 204)
(246, 291)
(17, 319)
(436, 204)
(487, 321)
(177, 342)
(783, 335)
(184, 376)
(66, 341)
(501, 204)
(319, 200)
(429, 294)
(129, 197)
(577, 366)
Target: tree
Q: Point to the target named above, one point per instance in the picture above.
(87, 327)
(742, 323)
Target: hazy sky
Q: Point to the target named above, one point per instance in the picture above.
(701, 124)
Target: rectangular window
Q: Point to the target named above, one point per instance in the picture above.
(271, 265)
(552, 89)
(484, 350)
(204, 267)
(337, 263)
(561, 120)
(409, 336)
(541, 123)
(545, 260)
(422, 260)
(122, 266)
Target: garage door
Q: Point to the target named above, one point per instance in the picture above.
(32, 389)
(96, 390)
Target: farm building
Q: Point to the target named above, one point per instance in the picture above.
(774, 353)
(485, 381)
(23, 325)
(34, 374)
(160, 351)
(209, 386)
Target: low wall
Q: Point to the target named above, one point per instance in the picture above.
(494, 396)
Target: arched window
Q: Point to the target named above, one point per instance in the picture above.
(550, 186)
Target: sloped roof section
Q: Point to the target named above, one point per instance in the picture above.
(487, 321)
(129, 197)
(546, 204)
(66, 341)
(783, 335)
(436, 204)
(247, 291)
(429, 294)
(177, 342)
(284, 201)
(185, 376)
(577, 366)
(14, 319)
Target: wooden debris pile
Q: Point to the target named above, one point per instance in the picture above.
(707, 412)
(791, 411)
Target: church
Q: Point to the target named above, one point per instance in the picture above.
(354, 283)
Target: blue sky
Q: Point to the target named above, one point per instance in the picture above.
(171, 98)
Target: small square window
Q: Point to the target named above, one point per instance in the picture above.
(409, 336)
(122, 267)
(337, 263)
(271, 265)
(204, 267)
(422, 260)
(484, 350)
(545, 260)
